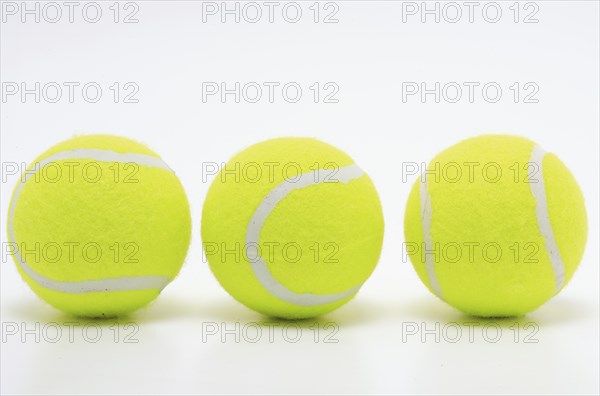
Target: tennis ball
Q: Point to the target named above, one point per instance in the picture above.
(292, 227)
(98, 225)
(496, 226)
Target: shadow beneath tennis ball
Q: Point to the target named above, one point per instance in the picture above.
(357, 312)
(37, 311)
(432, 310)
(563, 309)
(225, 309)
(556, 311)
(427, 308)
(33, 310)
(228, 310)
(164, 308)
(500, 322)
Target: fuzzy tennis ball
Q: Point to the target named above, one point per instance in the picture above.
(99, 225)
(292, 227)
(496, 226)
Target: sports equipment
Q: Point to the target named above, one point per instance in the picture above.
(99, 225)
(496, 226)
(292, 227)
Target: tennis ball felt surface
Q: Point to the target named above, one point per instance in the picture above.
(292, 227)
(503, 238)
(100, 225)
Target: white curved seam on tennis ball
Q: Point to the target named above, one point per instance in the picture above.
(428, 251)
(89, 286)
(258, 265)
(538, 189)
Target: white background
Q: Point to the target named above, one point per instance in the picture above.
(369, 53)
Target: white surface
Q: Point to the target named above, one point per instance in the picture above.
(369, 53)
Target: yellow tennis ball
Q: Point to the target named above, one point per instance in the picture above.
(495, 226)
(99, 225)
(292, 227)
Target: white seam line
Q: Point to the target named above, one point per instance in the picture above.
(259, 267)
(426, 218)
(100, 285)
(538, 189)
